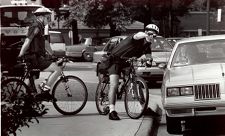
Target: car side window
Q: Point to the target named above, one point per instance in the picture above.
(111, 44)
(56, 38)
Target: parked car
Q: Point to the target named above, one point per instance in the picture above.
(113, 41)
(173, 40)
(85, 49)
(78, 50)
(194, 81)
(97, 45)
(57, 43)
(161, 50)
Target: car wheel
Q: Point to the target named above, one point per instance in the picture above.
(173, 125)
(87, 57)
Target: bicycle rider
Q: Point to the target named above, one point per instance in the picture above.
(34, 49)
(133, 46)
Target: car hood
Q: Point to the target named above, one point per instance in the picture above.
(159, 57)
(196, 72)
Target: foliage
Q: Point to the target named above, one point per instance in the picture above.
(18, 112)
(99, 13)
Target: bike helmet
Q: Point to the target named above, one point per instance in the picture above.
(42, 11)
(152, 27)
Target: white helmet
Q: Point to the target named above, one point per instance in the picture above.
(152, 27)
(42, 11)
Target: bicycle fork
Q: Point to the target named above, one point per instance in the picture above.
(67, 88)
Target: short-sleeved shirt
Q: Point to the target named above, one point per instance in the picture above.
(37, 45)
(128, 48)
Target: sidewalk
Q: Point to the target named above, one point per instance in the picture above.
(89, 123)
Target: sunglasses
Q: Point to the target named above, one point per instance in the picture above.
(151, 34)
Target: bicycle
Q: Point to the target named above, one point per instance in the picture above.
(69, 92)
(131, 85)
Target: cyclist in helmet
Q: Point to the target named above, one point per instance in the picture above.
(133, 46)
(34, 50)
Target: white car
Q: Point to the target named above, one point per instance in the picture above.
(57, 43)
(194, 81)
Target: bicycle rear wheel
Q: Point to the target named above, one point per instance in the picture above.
(136, 98)
(71, 95)
(12, 89)
(101, 97)
(15, 91)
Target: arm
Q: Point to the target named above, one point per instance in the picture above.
(25, 46)
(48, 47)
(31, 33)
(139, 35)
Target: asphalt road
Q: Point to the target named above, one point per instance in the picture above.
(86, 71)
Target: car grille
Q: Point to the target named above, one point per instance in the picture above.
(207, 91)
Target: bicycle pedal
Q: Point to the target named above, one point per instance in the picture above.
(106, 109)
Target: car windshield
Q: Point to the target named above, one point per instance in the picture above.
(201, 52)
(15, 17)
(160, 44)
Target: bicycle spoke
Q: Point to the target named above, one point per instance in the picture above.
(71, 94)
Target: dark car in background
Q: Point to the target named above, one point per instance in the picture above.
(85, 49)
(113, 41)
(161, 50)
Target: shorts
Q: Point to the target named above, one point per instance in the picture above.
(116, 68)
(43, 63)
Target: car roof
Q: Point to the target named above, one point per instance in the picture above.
(54, 32)
(120, 36)
(201, 38)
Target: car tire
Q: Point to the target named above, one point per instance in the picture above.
(87, 57)
(173, 125)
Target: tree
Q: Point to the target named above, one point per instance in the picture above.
(99, 13)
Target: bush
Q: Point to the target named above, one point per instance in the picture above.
(19, 112)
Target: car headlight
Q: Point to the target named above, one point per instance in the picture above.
(179, 91)
(173, 91)
(186, 90)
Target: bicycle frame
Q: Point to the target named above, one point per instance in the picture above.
(127, 77)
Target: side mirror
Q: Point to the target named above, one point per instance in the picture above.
(162, 66)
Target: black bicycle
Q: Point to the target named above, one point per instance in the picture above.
(69, 92)
(131, 85)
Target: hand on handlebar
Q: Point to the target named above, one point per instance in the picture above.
(149, 62)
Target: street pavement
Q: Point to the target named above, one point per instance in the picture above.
(89, 123)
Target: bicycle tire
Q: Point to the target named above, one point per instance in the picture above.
(136, 103)
(69, 103)
(101, 97)
(12, 89)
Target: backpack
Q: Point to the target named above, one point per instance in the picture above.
(104, 64)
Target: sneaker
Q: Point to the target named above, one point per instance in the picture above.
(44, 87)
(45, 96)
(113, 116)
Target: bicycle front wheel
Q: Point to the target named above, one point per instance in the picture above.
(101, 97)
(71, 95)
(136, 98)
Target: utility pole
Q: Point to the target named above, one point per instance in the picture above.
(208, 18)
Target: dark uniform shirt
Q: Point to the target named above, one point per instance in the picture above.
(127, 48)
(130, 47)
(37, 46)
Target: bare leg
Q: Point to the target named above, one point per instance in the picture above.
(114, 81)
(56, 71)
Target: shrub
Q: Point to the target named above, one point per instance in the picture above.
(19, 112)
